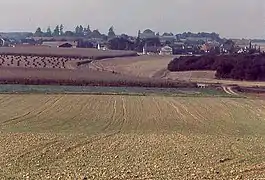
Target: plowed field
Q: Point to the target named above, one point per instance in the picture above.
(131, 137)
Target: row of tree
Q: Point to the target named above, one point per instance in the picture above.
(213, 35)
(79, 31)
(239, 67)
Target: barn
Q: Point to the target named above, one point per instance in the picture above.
(60, 44)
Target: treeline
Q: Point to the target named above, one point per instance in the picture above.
(213, 35)
(80, 31)
(238, 67)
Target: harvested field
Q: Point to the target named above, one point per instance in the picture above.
(79, 77)
(65, 52)
(143, 66)
(130, 137)
(156, 67)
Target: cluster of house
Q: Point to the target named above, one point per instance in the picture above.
(170, 44)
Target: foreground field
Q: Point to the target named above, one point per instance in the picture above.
(131, 137)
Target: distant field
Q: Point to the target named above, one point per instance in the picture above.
(65, 52)
(143, 66)
(131, 137)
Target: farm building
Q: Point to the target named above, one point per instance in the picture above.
(209, 46)
(166, 50)
(61, 44)
(202, 85)
(147, 50)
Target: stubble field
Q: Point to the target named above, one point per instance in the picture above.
(131, 137)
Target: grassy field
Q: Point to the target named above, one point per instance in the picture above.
(101, 90)
(131, 137)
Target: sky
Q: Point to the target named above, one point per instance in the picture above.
(229, 18)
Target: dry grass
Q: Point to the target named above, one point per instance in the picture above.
(144, 66)
(130, 137)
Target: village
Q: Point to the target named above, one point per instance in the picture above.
(147, 42)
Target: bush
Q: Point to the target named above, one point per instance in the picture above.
(239, 67)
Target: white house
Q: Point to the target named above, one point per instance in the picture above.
(166, 50)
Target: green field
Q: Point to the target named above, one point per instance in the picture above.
(131, 137)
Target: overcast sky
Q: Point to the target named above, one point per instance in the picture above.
(229, 18)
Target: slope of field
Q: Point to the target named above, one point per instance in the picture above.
(130, 137)
(144, 66)
(156, 67)
(65, 52)
(50, 76)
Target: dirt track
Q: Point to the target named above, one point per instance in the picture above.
(129, 137)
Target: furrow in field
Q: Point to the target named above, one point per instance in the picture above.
(183, 105)
(180, 115)
(31, 113)
(158, 119)
(124, 114)
(111, 121)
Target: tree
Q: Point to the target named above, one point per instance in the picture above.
(38, 32)
(56, 31)
(125, 36)
(96, 34)
(49, 32)
(87, 31)
(77, 31)
(229, 46)
(119, 43)
(111, 32)
(69, 33)
(61, 30)
(139, 34)
(81, 30)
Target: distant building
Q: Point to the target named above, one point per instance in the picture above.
(61, 44)
(102, 47)
(202, 85)
(148, 50)
(4, 42)
(209, 46)
(205, 39)
(166, 50)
